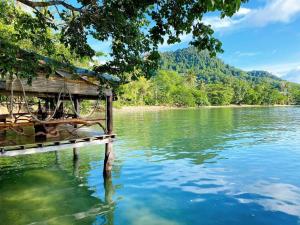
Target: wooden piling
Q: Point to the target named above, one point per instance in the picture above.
(76, 166)
(109, 114)
(109, 192)
(3, 132)
(108, 159)
(77, 108)
(75, 154)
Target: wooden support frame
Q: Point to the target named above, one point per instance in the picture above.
(50, 96)
(55, 146)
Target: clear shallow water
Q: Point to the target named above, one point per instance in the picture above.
(206, 166)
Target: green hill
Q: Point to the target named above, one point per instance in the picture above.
(190, 78)
(211, 70)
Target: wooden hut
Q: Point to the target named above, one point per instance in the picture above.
(66, 87)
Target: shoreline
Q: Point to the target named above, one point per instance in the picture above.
(148, 108)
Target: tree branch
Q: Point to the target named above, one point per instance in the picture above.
(49, 3)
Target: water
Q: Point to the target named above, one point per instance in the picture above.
(207, 166)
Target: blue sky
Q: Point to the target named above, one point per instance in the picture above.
(263, 35)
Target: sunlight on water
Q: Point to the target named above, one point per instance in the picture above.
(206, 166)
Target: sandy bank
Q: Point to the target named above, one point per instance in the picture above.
(126, 109)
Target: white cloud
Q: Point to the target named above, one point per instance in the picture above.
(243, 11)
(217, 23)
(288, 71)
(275, 11)
(246, 54)
(282, 11)
(281, 69)
(293, 75)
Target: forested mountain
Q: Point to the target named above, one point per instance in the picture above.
(188, 77)
(207, 68)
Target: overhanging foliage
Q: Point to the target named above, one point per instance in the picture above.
(134, 28)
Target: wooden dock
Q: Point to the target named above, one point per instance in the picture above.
(42, 147)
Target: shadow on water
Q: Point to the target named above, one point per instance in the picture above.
(50, 192)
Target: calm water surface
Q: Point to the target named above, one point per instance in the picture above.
(208, 166)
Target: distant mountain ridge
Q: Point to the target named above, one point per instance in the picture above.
(207, 68)
(262, 73)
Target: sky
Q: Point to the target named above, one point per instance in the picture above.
(262, 35)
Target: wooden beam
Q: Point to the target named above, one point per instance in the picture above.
(52, 122)
(46, 95)
(54, 147)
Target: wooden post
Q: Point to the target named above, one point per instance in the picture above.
(75, 154)
(77, 108)
(108, 159)
(51, 104)
(3, 133)
(109, 114)
(47, 105)
(75, 166)
(108, 199)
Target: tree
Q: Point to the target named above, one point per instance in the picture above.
(200, 97)
(240, 88)
(252, 97)
(165, 83)
(190, 78)
(183, 97)
(219, 94)
(136, 92)
(134, 28)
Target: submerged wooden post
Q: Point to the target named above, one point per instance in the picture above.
(76, 167)
(108, 159)
(108, 199)
(109, 113)
(77, 109)
(75, 154)
(109, 154)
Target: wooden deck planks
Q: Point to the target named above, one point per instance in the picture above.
(10, 151)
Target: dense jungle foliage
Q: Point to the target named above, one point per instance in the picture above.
(133, 29)
(188, 77)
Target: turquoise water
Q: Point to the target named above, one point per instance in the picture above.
(207, 166)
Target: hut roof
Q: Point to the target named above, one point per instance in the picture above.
(80, 81)
(63, 69)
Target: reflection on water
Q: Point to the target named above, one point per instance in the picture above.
(206, 166)
(49, 192)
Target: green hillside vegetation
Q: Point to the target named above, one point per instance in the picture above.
(190, 78)
(185, 78)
